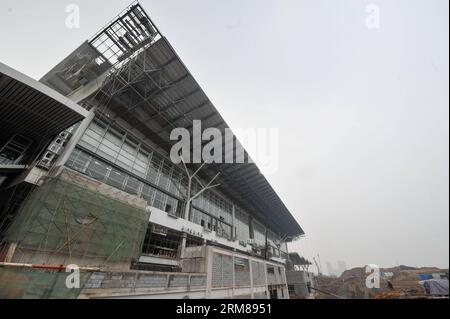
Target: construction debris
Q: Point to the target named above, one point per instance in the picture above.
(402, 283)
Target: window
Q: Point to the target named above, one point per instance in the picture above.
(171, 205)
(161, 242)
(97, 170)
(270, 270)
(250, 228)
(147, 193)
(116, 178)
(241, 272)
(98, 127)
(79, 161)
(129, 147)
(139, 168)
(291, 289)
(91, 140)
(132, 186)
(241, 263)
(164, 177)
(13, 151)
(242, 227)
(153, 170)
(159, 201)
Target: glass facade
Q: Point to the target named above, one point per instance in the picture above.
(114, 156)
(241, 225)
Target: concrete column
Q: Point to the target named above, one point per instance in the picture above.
(233, 290)
(209, 263)
(251, 278)
(10, 253)
(233, 224)
(182, 246)
(187, 208)
(70, 146)
(265, 278)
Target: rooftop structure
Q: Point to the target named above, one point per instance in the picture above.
(147, 84)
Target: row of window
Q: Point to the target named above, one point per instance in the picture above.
(101, 171)
(118, 146)
(122, 149)
(208, 222)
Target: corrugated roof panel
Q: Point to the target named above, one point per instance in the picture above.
(32, 109)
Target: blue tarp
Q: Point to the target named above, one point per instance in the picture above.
(435, 286)
(425, 276)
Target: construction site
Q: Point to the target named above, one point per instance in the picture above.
(93, 206)
(86, 182)
(402, 282)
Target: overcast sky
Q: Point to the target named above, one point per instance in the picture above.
(363, 113)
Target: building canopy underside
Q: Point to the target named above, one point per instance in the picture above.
(32, 109)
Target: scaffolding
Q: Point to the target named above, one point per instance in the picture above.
(71, 219)
(37, 284)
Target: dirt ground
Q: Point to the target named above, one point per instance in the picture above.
(351, 284)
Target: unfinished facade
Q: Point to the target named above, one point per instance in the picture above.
(106, 196)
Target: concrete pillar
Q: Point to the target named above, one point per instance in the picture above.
(265, 278)
(251, 278)
(233, 290)
(233, 223)
(182, 246)
(10, 253)
(209, 263)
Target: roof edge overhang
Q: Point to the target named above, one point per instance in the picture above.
(42, 88)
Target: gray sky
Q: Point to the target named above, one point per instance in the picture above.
(363, 114)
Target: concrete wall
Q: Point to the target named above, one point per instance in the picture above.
(228, 275)
(144, 284)
(235, 275)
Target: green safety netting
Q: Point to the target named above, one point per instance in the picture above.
(65, 222)
(38, 284)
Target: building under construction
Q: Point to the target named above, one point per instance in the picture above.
(86, 179)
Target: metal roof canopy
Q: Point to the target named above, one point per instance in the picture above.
(157, 94)
(151, 88)
(32, 109)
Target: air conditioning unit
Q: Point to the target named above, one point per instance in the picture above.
(59, 141)
(47, 160)
(55, 148)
